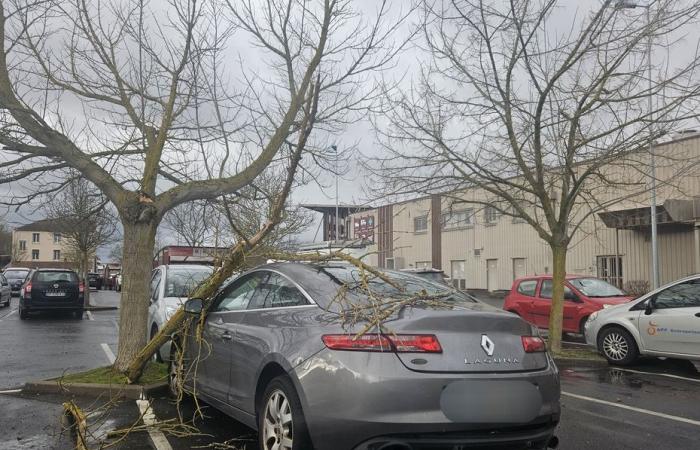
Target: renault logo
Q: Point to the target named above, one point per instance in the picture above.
(487, 345)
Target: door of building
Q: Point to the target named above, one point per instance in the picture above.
(519, 269)
(491, 274)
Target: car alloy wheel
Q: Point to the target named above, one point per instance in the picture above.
(278, 428)
(615, 346)
(175, 372)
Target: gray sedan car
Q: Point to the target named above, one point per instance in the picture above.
(283, 357)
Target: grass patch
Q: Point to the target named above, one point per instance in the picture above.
(153, 373)
(579, 353)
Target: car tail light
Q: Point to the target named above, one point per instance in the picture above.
(28, 290)
(399, 343)
(81, 287)
(367, 342)
(415, 343)
(533, 344)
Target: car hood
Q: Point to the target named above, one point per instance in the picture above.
(610, 300)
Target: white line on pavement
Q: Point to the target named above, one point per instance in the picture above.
(632, 408)
(108, 352)
(8, 314)
(89, 314)
(149, 419)
(669, 375)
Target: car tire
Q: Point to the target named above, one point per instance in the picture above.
(618, 346)
(78, 314)
(157, 356)
(23, 315)
(287, 427)
(175, 372)
(7, 303)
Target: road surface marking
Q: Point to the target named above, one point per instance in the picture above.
(89, 314)
(11, 391)
(108, 352)
(669, 375)
(8, 314)
(149, 419)
(632, 408)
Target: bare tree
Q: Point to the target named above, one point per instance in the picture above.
(192, 222)
(84, 222)
(538, 112)
(135, 96)
(6, 254)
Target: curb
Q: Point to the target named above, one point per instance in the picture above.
(95, 390)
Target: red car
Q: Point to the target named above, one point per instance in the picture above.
(530, 298)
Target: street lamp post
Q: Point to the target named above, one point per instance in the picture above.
(630, 4)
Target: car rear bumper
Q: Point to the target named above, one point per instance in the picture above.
(364, 401)
(33, 305)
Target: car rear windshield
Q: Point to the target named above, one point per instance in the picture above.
(54, 277)
(181, 282)
(413, 285)
(15, 274)
(594, 287)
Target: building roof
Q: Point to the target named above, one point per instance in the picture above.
(329, 209)
(42, 225)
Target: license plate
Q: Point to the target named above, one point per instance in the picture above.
(55, 294)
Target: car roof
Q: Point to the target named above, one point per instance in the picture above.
(15, 268)
(548, 276)
(185, 266)
(48, 269)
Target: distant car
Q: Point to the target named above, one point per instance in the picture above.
(95, 280)
(531, 299)
(52, 290)
(171, 285)
(16, 276)
(429, 274)
(5, 291)
(464, 375)
(665, 322)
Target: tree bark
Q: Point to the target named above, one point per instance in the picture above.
(85, 264)
(139, 240)
(556, 312)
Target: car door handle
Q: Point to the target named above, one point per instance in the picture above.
(227, 336)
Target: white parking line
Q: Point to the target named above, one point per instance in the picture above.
(8, 314)
(632, 408)
(669, 375)
(160, 442)
(11, 391)
(108, 352)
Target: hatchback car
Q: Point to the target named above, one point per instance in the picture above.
(531, 299)
(94, 280)
(450, 374)
(170, 287)
(5, 292)
(52, 290)
(16, 276)
(665, 322)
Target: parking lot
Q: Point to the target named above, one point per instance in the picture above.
(651, 405)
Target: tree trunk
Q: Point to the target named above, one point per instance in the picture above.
(137, 264)
(556, 313)
(85, 269)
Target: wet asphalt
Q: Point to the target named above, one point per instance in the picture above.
(653, 405)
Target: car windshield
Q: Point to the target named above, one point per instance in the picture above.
(182, 281)
(16, 274)
(593, 287)
(412, 284)
(56, 277)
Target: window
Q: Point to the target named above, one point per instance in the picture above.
(57, 238)
(56, 255)
(610, 269)
(682, 295)
(35, 237)
(238, 295)
(456, 219)
(23, 245)
(51, 277)
(277, 292)
(491, 215)
(546, 290)
(420, 224)
(458, 274)
(180, 282)
(527, 287)
(35, 254)
(155, 284)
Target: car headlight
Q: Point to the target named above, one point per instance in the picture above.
(593, 316)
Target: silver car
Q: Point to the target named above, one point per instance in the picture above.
(170, 287)
(665, 322)
(280, 358)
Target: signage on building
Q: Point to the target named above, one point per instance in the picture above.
(364, 227)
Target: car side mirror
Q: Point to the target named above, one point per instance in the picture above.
(194, 306)
(649, 308)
